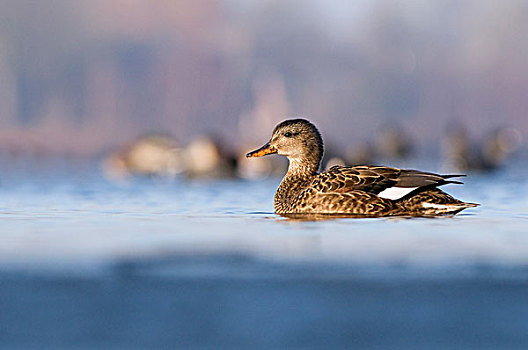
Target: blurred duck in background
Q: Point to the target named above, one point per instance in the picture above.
(391, 144)
(499, 146)
(361, 153)
(151, 155)
(207, 158)
(461, 154)
(160, 156)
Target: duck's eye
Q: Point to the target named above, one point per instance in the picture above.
(288, 134)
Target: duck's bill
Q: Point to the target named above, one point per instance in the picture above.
(262, 151)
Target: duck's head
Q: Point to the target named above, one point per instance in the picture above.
(297, 139)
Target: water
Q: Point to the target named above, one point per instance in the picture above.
(150, 263)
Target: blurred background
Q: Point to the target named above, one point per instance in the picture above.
(159, 92)
(85, 78)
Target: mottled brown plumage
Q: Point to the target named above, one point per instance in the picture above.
(350, 190)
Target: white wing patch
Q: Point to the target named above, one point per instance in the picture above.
(450, 207)
(437, 206)
(395, 193)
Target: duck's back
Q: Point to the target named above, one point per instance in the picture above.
(375, 191)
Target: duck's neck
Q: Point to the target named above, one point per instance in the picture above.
(300, 174)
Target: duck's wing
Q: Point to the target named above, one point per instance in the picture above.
(386, 182)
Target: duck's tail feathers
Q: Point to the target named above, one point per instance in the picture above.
(434, 202)
(450, 176)
(446, 209)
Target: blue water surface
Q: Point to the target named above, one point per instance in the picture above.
(86, 262)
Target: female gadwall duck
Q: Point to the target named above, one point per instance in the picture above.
(350, 190)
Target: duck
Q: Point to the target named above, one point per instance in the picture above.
(492, 153)
(150, 155)
(207, 158)
(361, 191)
